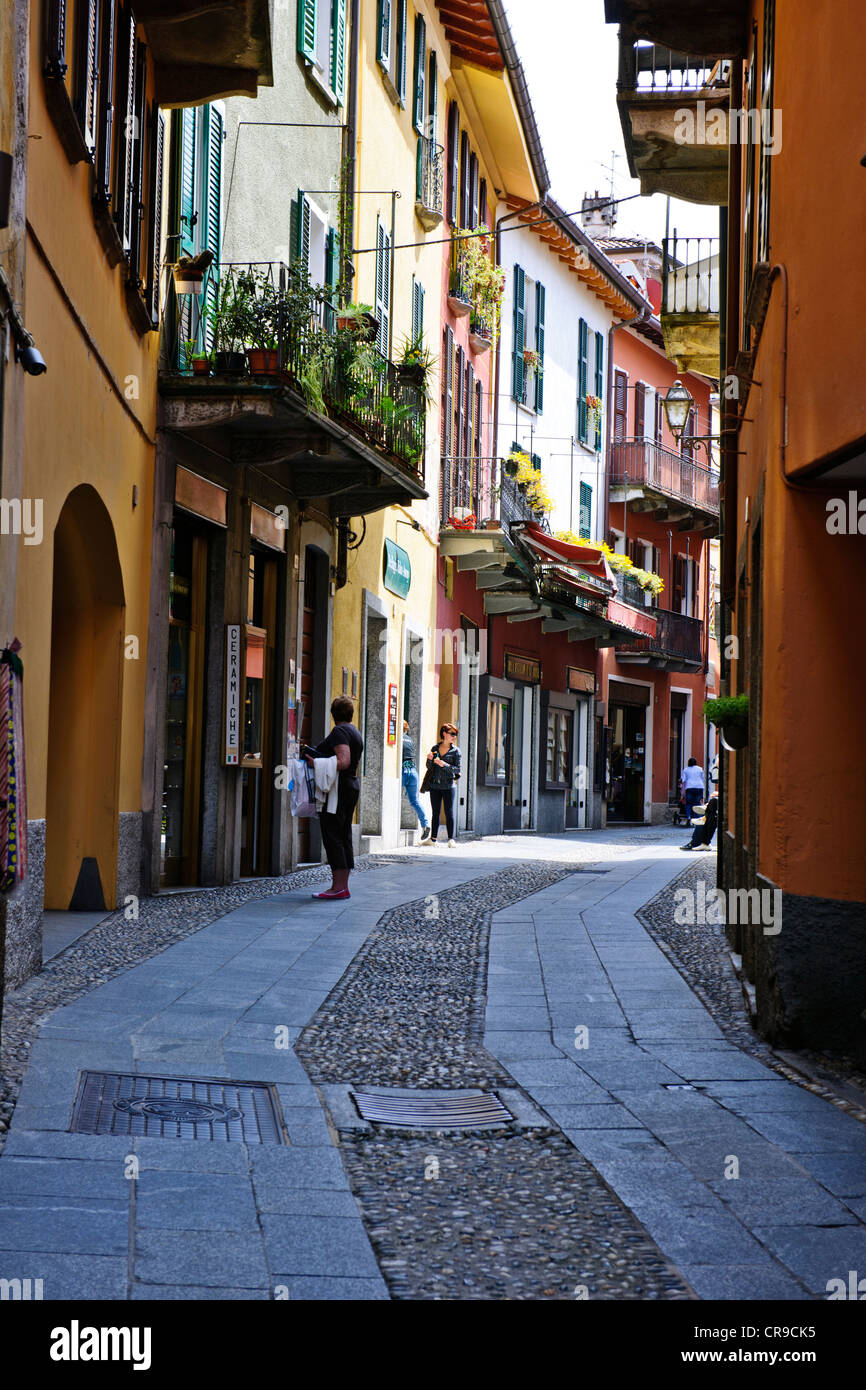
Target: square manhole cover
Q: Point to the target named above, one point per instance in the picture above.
(176, 1107)
(432, 1109)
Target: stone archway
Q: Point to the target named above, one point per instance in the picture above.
(84, 721)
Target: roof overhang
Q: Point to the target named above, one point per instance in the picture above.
(583, 258)
(717, 28)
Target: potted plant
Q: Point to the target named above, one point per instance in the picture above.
(416, 365)
(730, 714)
(593, 412)
(263, 324)
(515, 460)
(477, 283)
(358, 318)
(201, 364)
(231, 325)
(532, 359)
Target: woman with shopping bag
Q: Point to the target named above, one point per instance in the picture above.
(346, 744)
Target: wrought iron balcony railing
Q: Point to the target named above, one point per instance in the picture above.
(678, 639)
(650, 67)
(269, 309)
(690, 275)
(646, 464)
(629, 591)
(467, 485)
(429, 181)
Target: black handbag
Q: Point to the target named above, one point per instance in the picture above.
(425, 784)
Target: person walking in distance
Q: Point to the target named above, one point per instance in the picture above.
(345, 742)
(692, 786)
(410, 782)
(443, 765)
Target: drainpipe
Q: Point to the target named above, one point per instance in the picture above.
(351, 132)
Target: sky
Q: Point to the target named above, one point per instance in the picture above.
(570, 58)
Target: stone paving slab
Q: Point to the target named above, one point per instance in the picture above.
(681, 1103)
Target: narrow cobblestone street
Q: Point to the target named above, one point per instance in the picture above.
(649, 1152)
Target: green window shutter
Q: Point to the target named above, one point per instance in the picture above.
(473, 191)
(432, 96)
(307, 29)
(188, 209)
(383, 288)
(302, 246)
(585, 511)
(417, 310)
(212, 144)
(332, 262)
(447, 392)
(383, 40)
(582, 381)
(338, 48)
(518, 367)
(420, 65)
(453, 161)
(402, 45)
(539, 346)
(154, 283)
(419, 170)
(599, 382)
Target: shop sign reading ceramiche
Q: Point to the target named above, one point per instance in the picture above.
(233, 694)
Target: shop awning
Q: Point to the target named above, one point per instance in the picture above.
(589, 558)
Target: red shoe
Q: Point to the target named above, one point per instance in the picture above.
(333, 893)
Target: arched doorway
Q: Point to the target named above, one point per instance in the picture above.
(84, 720)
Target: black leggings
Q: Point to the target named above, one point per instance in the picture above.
(336, 828)
(439, 797)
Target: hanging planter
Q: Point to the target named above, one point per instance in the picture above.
(480, 336)
(532, 359)
(188, 281)
(730, 714)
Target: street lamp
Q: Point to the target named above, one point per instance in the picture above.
(677, 405)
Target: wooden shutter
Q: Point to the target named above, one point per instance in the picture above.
(458, 403)
(136, 179)
(211, 212)
(482, 203)
(154, 282)
(55, 39)
(383, 40)
(584, 527)
(447, 391)
(468, 405)
(599, 383)
(87, 69)
(307, 29)
(479, 419)
(518, 367)
(620, 405)
(126, 137)
(639, 409)
(539, 345)
(402, 45)
(453, 161)
(693, 569)
(658, 420)
(338, 49)
(302, 249)
(105, 127)
(473, 190)
(420, 72)
(679, 583)
(383, 288)
(417, 331)
(188, 199)
(464, 178)
(432, 97)
(582, 379)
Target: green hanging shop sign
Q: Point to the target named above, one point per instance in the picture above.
(397, 569)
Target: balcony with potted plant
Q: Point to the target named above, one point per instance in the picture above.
(297, 389)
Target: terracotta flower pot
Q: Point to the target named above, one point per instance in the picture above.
(263, 361)
(200, 366)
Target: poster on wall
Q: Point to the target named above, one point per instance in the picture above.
(233, 694)
(392, 714)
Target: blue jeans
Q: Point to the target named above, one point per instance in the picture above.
(410, 786)
(694, 797)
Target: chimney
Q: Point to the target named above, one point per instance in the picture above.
(598, 215)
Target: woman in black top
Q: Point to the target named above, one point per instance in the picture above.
(443, 767)
(345, 741)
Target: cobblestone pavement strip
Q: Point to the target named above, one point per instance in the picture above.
(508, 1214)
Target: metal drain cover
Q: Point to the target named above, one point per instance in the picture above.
(432, 1109)
(176, 1107)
